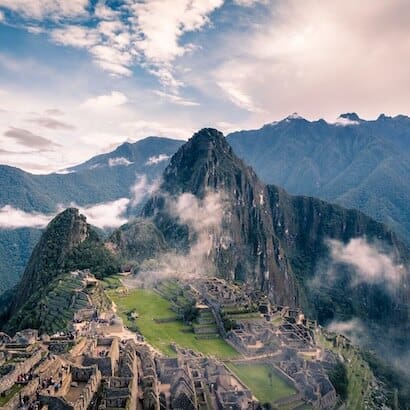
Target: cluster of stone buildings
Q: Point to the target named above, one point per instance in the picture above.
(102, 365)
(278, 335)
(192, 381)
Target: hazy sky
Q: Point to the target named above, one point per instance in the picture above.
(78, 77)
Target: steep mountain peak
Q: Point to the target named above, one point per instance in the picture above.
(202, 163)
(66, 231)
(294, 116)
(351, 116)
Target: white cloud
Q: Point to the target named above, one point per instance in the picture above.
(12, 218)
(371, 264)
(354, 329)
(75, 36)
(103, 102)
(157, 159)
(107, 214)
(343, 54)
(175, 99)
(1, 16)
(204, 219)
(114, 162)
(142, 189)
(238, 96)
(39, 9)
(343, 122)
(146, 33)
(249, 3)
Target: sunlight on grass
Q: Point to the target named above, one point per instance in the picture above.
(256, 377)
(149, 305)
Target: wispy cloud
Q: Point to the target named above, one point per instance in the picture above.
(107, 214)
(114, 162)
(142, 189)
(103, 102)
(12, 218)
(29, 139)
(51, 123)
(157, 159)
(371, 264)
(40, 9)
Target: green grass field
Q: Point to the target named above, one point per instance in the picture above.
(150, 305)
(256, 377)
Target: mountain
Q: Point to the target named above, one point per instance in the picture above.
(68, 244)
(248, 249)
(212, 213)
(104, 178)
(282, 244)
(355, 163)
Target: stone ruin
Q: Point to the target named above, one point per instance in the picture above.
(74, 389)
(193, 381)
(103, 352)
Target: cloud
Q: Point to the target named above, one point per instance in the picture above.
(12, 218)
(238, 96)
(353, 329)
(39, 9)
(114, 162)
(103, 102)
(176, 99)
(51, 123)
(28, 139)
(147, 33)
(204, 219)
(370, 263)
(142, 189)
(54, 111)
(107, 214)
(343, 122)
(157, 159)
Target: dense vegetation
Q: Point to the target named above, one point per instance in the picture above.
(93, 255)
(397, 381)
(338, 377)
(46, 291)
(363, 166)
(16, 246)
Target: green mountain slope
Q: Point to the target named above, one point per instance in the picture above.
(364, 165)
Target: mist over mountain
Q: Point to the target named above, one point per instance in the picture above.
(299, 250)
(212, 215)
(102, 179)
(354, 162)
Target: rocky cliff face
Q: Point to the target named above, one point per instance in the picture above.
(279, 242)
(246, 248)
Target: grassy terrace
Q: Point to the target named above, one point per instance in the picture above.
(358, 373)
(150, 306)
(10, 394)
(256, 377)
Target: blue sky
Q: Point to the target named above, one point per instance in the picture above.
(78, 77)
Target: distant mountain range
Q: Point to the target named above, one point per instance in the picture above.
(356, 163)
(213, 214)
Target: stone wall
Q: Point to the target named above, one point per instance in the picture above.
(8, 381)
(106, 364)
(91, 375)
